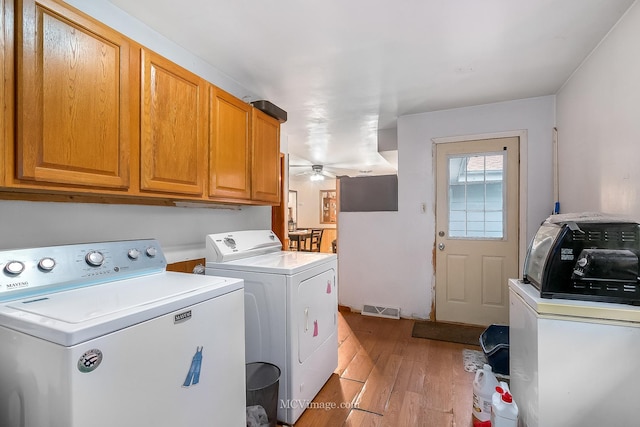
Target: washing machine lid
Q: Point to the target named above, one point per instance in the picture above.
(281, 262)
(74, 316)
(223, 247)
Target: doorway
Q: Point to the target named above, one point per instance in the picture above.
(316, 209)
(477, 239)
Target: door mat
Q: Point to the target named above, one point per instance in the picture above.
(463, 334)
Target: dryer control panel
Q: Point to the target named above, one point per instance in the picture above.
(35, 271)
(223, 247)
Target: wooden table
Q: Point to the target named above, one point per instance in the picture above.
(298, 237)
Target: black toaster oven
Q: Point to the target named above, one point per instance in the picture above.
(585, 257)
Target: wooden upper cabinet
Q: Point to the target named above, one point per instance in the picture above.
(230, 147)
(174, 122)
(85, 110)
(265, 166)
(73, 109)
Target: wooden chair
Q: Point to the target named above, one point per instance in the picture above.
(293, 244)
(315, 240)
(297, 243)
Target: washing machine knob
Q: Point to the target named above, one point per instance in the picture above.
(14, 267)
(47, 264)
(151, 251)
(94, 258)
(133, 253)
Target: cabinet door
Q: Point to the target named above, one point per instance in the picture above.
(174, 128)
(73, 84)
(230, 151)
(187, 266)
(265, 166)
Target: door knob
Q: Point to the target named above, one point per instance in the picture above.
(441, 246)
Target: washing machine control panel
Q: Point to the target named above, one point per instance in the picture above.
(34, 271)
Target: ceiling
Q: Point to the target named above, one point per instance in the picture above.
(344, 69)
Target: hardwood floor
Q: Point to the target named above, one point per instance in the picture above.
(386, 378)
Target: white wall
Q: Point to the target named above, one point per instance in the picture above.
(385, 258)
(30, 224)
(180, 231)
(599, 126)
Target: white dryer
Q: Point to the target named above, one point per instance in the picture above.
(291, 309)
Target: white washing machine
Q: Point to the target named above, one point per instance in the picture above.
(291, 310)
(101, 335)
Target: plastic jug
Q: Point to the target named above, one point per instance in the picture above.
(484, 385)
(504, 411)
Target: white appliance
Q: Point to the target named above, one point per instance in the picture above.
(291, 309)
(572, 363)
(101, 335)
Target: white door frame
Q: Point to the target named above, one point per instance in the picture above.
(522, 226)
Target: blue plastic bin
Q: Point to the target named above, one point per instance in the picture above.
(495, 345)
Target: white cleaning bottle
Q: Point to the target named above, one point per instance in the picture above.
(504, 411)
(484, 385)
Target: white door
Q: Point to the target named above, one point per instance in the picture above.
(476, 229)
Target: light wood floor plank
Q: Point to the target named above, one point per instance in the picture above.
(415, 412)
(404, 377)
(359, 367)
(332, 405)
(358, 418)
(347, 351)
(417, 349)
(391, 415)
(439, 371)
(376, 392)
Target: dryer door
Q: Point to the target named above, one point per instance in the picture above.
(317, 312)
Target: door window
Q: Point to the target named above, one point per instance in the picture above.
(477, 196)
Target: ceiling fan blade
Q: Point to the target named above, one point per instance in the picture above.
(339, 171)
(319, 169)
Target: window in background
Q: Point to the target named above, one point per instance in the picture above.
(476, 196)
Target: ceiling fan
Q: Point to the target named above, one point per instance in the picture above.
(315, 172)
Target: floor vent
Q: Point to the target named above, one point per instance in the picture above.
(372, 310)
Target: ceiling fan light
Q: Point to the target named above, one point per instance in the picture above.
(317, 177)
